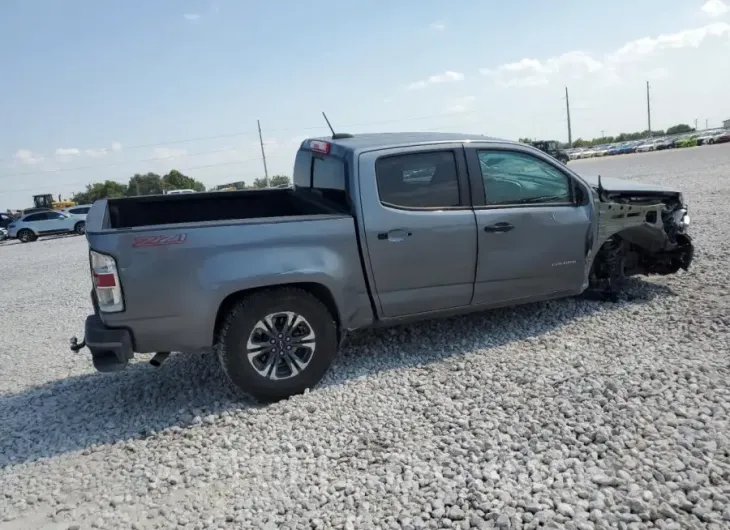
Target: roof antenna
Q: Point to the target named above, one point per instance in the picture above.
(335, 136)
(329, 124)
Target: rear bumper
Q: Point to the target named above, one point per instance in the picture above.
(111, 348)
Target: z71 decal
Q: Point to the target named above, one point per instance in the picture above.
(158, 241)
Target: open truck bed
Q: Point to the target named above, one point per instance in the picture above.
(156, 210)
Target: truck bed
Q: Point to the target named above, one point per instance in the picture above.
(153, 210)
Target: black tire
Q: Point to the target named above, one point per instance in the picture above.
(711, 142)
(26, 236)
(608, 275)
(80, 228)
(239, 325)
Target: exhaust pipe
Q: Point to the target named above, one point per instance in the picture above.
(159, 358)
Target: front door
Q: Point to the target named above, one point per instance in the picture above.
(419, 228)
(534, 223)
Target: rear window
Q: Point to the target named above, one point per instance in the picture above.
(79, 210)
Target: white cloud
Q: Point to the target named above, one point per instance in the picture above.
(462, 104)
(715, 8)
(116, 147)
(578, 64)
(25, 156)
(168, 152)
(96, 153)
(689, 38)
(68, 151)
(440, 26)
(191, 16)
(446, 77)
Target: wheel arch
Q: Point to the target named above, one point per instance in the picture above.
(320, 291)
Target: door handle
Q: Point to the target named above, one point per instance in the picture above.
(499, 227)
(394, 235)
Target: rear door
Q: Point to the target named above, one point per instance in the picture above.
(534, 221)
(419, 228)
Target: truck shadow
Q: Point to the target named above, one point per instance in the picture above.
(91, 409)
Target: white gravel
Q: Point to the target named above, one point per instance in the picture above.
(569, 414)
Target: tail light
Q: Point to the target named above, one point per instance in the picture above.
(106, 283)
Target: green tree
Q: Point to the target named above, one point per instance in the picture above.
(175, 180)
(279, 180)
(680, 129)
(100, 190)
(147, 184)
(259, 183)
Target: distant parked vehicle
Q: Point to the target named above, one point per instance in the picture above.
(5, 220)
(722, 138)
(175, 192)
(552, 148)
(650, 145)
(78, 211)
(32, 226)
(687, 141)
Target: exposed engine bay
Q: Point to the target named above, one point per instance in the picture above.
(640, 232)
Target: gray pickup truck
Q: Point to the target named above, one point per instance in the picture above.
(377, 229)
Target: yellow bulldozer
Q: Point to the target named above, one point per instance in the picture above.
(45, 202)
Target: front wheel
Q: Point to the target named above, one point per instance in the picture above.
(26, 236)
(80, 228)
(711, 142)
(277, 343)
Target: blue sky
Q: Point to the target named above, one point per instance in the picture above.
(94, 90)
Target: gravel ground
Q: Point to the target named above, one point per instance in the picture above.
(568, 414)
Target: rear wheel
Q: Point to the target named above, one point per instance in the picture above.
(80, 227)
(277, 343)
(26, 236)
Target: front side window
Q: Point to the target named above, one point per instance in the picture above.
(418, 180)
(512, 178)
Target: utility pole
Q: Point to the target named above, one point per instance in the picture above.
(648, 108)
(602, 133)
(695, 124)
(567, 110)
(706, 124)
(263, 154)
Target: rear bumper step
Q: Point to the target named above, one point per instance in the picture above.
(111, 349)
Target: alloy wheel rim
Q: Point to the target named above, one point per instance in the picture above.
(281, 345)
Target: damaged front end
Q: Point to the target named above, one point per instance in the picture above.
(640, 232)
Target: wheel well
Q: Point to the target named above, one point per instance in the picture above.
(317, 290)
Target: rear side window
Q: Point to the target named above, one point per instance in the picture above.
(79, 210)
(418, 180)
(312, 170)
(34, 217)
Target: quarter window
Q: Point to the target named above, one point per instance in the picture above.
(516, 178)
(418, 180)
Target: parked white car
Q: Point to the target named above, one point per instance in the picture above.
(80, 211)
(33, 225)
(175, 192)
